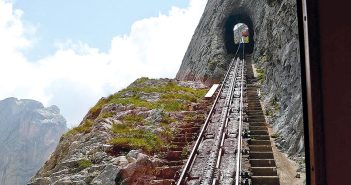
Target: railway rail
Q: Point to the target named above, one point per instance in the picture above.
(233, 146)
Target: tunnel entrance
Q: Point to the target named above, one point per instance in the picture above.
(236, 26)
(241, 33)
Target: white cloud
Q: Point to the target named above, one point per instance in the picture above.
(77, 75)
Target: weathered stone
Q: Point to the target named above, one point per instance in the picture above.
(29, 134)
(107, 177)
(90, 158)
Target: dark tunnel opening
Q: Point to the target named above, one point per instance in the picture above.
(231, 21)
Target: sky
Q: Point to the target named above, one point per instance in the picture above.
(72, 53)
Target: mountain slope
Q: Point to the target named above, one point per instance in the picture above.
(126, 137)
(29, 133)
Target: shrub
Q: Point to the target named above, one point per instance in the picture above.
(137, 139)
(185, 152)
(85, 127)
(133, 118)
(275, 135)
(84, 163)
(95, 111)
(141, 80)
(130, 135)
(260, 75)
(173, 97)
(166, 119)
(106, 115)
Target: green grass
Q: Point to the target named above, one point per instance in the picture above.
(260, 75)
(131, 134)
(186, 97)
(82, 128)
(193, 117)
(166, 119)
(275, 135)
(263, 59)
(171, 105)
(133, 118)
(85, 163)
(167, 132)
(173, 97)
(95, 111)
(185, 152)
(166, 104)
(106, 115)
(166, 88)
(141, 80)
(129, 138)
(260, 72)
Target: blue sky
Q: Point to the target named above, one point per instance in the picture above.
(93, 21)
(72, 53)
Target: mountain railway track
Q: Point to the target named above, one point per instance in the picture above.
(233, 146)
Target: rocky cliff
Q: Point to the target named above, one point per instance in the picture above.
(29, 134)
(129, 137)
(273, 47)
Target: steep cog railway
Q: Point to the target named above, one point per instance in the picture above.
(274, 49)
(233, 146)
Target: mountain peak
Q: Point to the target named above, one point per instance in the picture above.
(29, 133)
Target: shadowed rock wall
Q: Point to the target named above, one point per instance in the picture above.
(274, 32)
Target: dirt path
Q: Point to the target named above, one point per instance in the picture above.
(287, 168)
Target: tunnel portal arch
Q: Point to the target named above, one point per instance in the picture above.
(230, 22)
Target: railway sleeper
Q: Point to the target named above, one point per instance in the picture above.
(254, 103)
(265, 180)
(259, 132)
(260, 137)
(258, 128)
(174, 155)
(167, 172)
(257, 124)
(262, 162)
(254, 112)
(264, 171)
(256, 120)
(261, 155)
(265, 148)
(259, 142)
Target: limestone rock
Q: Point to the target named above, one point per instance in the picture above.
(85, 155)
(29, 134)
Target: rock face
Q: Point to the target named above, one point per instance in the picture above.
(124, 138)
(274, 47)
(29, 134)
